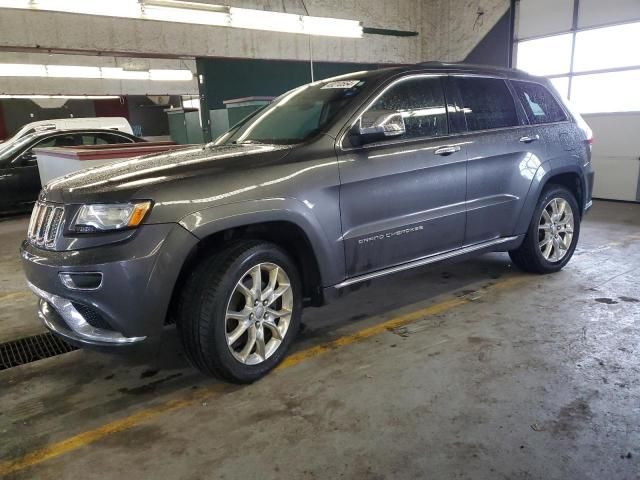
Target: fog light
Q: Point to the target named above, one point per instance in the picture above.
(81, 281)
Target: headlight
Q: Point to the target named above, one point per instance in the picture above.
(109, 217)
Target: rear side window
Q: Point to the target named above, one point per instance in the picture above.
(487, 103)
(421, 103)
(538, 102)
(105, 138)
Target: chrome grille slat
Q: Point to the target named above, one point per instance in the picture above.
(45, 224)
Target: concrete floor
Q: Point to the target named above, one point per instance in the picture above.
(499, 375)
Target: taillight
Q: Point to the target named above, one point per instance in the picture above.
(589, 133)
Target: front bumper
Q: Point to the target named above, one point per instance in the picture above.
(62, 317)
(129, 306)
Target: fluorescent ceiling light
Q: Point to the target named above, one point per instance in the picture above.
(117, 73)
(22, 70)
(198, 13)
(170, 75)
(107, 73)
(331, 27)
(65, 97)
(183, 15)
(72, 71)
(264, 20)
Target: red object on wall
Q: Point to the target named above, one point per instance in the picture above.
(3, 127)
(117, 107)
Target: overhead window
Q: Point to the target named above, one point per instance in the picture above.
(421, 103)
(607, 92)
(606, 63)
(538, 103)
(545, 56)
(561, 84)
(607, 48)
(487, 103)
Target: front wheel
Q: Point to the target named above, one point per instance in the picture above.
(553, 233)
(240, 310)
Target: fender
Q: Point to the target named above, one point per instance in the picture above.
(543, 174)
(329, 252)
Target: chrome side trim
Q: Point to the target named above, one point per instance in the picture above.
(82, 331)
(423, 261)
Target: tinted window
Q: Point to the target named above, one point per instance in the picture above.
(538, 102)
(67, 141)
(104, 138)
(421, 103)
(487, 103)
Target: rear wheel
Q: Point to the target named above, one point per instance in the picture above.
(240, 310)
(553, 233)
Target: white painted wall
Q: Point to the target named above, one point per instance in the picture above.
(616, 155)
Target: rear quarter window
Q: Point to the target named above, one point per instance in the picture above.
(539, 104)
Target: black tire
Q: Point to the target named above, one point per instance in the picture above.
(528, 256)
(202, 305)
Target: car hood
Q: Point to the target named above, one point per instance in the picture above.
(119, 181)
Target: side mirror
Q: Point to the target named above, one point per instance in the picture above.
(27, 159)
(378, 125)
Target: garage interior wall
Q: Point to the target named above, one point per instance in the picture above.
(228, 78)
(588, 48)
(237, 62)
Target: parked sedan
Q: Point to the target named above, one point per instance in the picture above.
(19, 177)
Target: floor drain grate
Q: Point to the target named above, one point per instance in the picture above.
(30, 349)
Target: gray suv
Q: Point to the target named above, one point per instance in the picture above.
(333, 184)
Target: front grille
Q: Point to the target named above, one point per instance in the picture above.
(46, 221)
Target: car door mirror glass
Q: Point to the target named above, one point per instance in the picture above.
(27, 159)
(377, 125)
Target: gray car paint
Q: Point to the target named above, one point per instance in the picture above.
(337, 195)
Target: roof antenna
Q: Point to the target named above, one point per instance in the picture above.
(310, 43)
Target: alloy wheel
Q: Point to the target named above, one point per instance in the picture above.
(259, 313)
(555, 229)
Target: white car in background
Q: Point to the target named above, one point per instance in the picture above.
(107, 123)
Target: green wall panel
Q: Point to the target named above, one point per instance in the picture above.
(227, 79)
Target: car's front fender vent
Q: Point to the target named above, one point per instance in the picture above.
(45, 224)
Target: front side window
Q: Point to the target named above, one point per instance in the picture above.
(487, 103)
(538, 103)
(421, 103)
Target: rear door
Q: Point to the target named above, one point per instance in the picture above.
(504, 154)
(549, 120)
(403, 198)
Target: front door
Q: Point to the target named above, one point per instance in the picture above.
(404, 198)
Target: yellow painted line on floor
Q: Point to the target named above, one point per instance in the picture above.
(85, 438)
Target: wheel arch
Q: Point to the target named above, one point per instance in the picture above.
(283, 222)
(569, 176)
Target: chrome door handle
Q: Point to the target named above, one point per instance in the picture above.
(527, 139)
(447, 150)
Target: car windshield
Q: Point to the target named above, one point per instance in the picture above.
(298, 115)
(10, 147)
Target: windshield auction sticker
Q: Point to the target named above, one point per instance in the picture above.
(341, 84)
